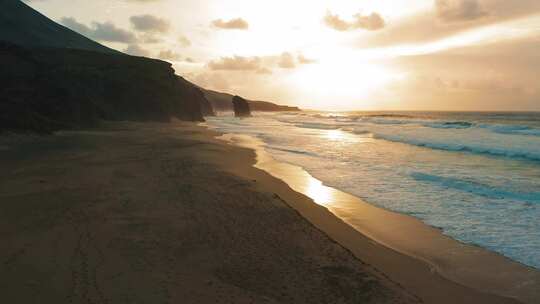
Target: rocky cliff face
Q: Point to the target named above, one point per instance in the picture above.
(241, 107)
(206, 106)
(195, 93)
(49, 89)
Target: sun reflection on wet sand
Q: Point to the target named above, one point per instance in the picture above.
(405, 234)
(318, 192)
(303, 181)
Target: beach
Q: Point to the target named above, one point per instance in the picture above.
(170, 213)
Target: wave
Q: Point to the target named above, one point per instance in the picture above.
(475, 188)
(329, 116)
(336, 119)
(496, 128)
(512, 129)
(430, 123)
(309, 124)
(360, 132)
(402, 119)
(450, 125)
(318, 126)
(294, 151)
(390, 115)
(391, 121)
(471, 147)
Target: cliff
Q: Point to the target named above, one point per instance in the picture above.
(193, 92)
(46, 89)
(222, 102)
(241, 107)
(53, 78)
(265, 106)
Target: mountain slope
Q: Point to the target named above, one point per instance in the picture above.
(22, 25)
(52, 78)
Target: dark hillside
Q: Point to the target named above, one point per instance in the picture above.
(53, 78)
(48, 89)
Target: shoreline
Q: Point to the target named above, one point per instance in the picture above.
(150, 212)
(464, 264)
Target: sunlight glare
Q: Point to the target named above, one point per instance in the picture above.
(321, 194)
(335, 135)
(342, 77)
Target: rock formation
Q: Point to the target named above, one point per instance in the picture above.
(222, 102)
(241, 107)
(265, 106)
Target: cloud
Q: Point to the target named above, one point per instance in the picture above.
(429, 25)
(458, 10)
(260, 65)
(149, 23)
(286, 61)
(236, 63)
(100, 31)
(233, 24)
(136, 50)
(150, 38)
(184, 41)
(109, 32)
(497, 76)
(336, 23)
(372, 22)
(303, 60)
(169, 55)
(264, 71)
(76, 26)
(213, 81)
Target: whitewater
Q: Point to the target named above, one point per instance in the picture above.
(476, 176)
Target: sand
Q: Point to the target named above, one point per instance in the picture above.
(167, 213)
(458, 262)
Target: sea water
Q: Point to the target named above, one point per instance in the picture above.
(476, 176)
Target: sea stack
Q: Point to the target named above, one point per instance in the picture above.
(241, 107)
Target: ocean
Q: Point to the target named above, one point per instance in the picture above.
(476, 176)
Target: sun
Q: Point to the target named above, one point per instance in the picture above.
(340, 82)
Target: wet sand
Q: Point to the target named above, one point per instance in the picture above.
(464, 264)
(167, 213)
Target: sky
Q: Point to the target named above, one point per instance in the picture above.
(450, 55)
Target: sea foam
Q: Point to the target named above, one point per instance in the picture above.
(476, 176)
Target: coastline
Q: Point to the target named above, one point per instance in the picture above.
(151, 213)
(463, 264)
(155, 212)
